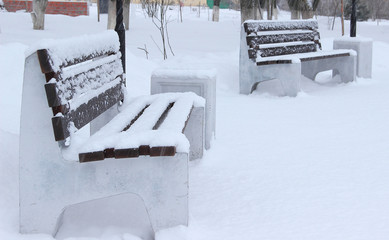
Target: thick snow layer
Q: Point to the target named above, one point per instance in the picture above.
(311, 167)
(141, 131)
(265, 33)
(354, 39)
(295, 58)
(78, 80)
(285, 44)
(253, 25)
(64, 51)
(185, 73)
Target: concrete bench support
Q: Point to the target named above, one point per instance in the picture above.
(364, 49)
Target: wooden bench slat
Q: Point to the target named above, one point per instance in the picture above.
(163, 116)
(150, 116)
(254, 41)
(86, 112)
(178, 116)
(257, 26)
(127, 153)
(302, 57)
(287, 49)
(91, 156)
(51, 94)
(46, 59)
(308, 58)
(63, 90)
(162, 151)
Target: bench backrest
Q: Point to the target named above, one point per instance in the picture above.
(274, 38)
(84, 78)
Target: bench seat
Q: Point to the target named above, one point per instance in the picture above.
(148, 125)
(302, 57)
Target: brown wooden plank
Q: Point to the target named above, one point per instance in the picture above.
(60, 127)
(163, 116)
(64, 109)
(144, 150)
(256, 40)
(50, 75)
(51, 94)
(47, 64)
(286, 50)
(86, 112)
(45, 61)
(163, 151)
(109, 153)
(127, 153)
(91, 156)
(261, 63)
(305, 59)
(135, 118)
(257, 26)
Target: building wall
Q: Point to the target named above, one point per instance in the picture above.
(53, 7)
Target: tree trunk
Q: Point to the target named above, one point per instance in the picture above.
(250, 9)
(275, 10)
(269, 9)
(38, 14)
(294, 14)
(342, 17)
(307, 14)
(126, 14)
(353, 20)
(111, 14)
(215, 12)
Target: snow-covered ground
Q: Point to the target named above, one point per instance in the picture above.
(311, 167)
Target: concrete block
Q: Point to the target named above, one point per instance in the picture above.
(364, 49)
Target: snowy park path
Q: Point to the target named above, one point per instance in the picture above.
(304, 166)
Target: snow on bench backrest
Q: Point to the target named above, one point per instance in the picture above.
(257, 26)
(275, 38)
(84, 78)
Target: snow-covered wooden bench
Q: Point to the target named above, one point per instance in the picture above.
(139, 145)
(284, 50)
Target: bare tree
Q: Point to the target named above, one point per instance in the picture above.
(157, 9)
(335, 5)
(38, 14)
(377, 8)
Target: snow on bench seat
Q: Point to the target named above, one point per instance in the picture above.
(301, 57)
(149, 125)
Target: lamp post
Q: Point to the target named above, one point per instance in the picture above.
(353, 25)
(119, 28)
